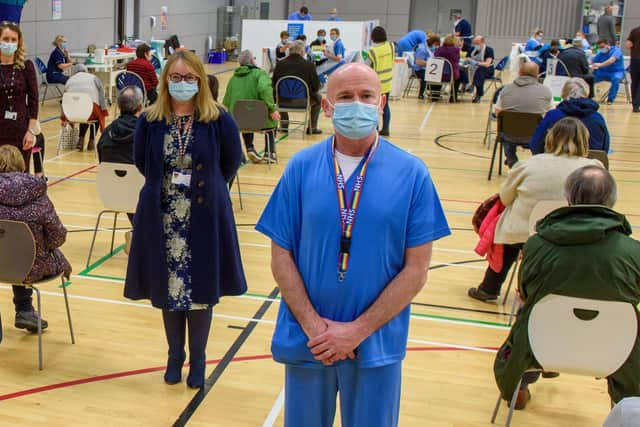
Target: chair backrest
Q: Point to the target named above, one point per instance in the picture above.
(541, 210)
(17, 251)
(292, 87)
(129, 78)
(502, 64)
(156, 63)
(250, 114)
(517, 128)
(600, 155)
(438, 70)
(119, 186)
(582, 336)
(41, 65)
(557, 67)
(77, 106)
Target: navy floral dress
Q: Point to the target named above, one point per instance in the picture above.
(176, 219)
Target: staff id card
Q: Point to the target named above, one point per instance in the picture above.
(179, 178)
(10, 115)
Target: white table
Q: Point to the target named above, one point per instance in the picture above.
(401, 73)
(113, 63)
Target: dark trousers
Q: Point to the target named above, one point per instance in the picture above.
(83, 131)
(38, 158)
(22, 298)
(386, 115)
(269, 138)
(493, 281)
(315, 111)
(479, 77)
(634, 70)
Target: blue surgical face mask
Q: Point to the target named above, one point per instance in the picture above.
(321, 38)
(64, 45)
(183, 91)
(355, 120)
(604, 50)
(334, 38)
(8, 48)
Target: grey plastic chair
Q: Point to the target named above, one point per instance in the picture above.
(17, 255)
(250, 116)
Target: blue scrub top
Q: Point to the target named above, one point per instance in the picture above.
(399, 209)
(616, 67)
(295, 16)
(412, 39)
(338, 48)
(422, 53)
(464, 28)
(532, 45)
(57, 57)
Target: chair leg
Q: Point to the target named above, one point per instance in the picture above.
(512, 406)
(500, 159)
(493, 157)
(39, 304)
(93, 241)
(113, 231)
(513, 275)
(66, 303)
(239, 191)
(46, 89)
(496, 409)
(514, 307)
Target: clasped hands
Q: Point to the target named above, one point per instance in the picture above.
(334, 342)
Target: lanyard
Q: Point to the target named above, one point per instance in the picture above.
(7, 87)
(348, 210)
(182, 127)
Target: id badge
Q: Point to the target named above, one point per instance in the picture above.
(179, 178)
(10, 115)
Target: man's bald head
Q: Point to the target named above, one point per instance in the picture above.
(353, 77)
(478, 40)
(591, 185)
(529, 68)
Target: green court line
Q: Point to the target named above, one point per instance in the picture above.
(101, 261)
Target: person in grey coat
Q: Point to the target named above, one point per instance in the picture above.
(607, 26)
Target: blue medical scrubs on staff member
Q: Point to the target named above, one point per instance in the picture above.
(352, 222)
(608, 65)
(301, 15)
(410, 41)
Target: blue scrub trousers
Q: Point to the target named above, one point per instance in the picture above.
(369, 397)
(615, 78)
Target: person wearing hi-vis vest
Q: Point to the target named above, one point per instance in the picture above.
(381, 56)
(351, 222)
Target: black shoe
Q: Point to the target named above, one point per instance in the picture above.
(421, 97)
(384, 132)
(314, 131)
(29, 320)
(273, 158)
(254, 156)
(550, 374)
(636, 109)
(195, 379)
(510, 162)
(173, 373)
(476, 99)
(284, 130)
(479, 294)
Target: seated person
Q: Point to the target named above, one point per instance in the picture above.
(116, 142)
(582, 251)
(296, 65)
(574, 104)
(142, 66)
(60, 63)
(548, 52)
(482, 58)
(450, 51)
(321, 38)
(530, 181)
(301, 15)
(88, 83)
(303, 39)
(251, 82)
(525, 95)
(23, 197)
(334, 53)
(608, 65)
(577, 64)
(420, 58)
(282, 48)
(583, 38)
(410, 42)
(534, 44)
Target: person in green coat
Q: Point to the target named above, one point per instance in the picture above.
(251, 82)
(582, 251)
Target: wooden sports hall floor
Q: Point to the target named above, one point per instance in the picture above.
(113, 375)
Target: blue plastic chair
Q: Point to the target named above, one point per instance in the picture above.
(156, 63)
(499, 69)
(292, 96)
(129, 78)
(42, 71)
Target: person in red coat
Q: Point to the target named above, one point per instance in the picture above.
(142, 66)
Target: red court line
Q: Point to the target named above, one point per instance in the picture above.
(123, 374)
(80, 172)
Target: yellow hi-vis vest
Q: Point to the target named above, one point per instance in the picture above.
(382, 57)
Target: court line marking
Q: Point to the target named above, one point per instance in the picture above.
(426, 117)
(275, 410)
(123, 374)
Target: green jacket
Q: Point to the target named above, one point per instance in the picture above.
(250, 82)
(583, 252)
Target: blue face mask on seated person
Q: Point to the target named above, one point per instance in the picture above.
(64, 45)
(8, 48)
(334, 38)
(355, 120)
(183, 91)
(604, 50)
(321, 38)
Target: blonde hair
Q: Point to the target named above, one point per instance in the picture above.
(206, 108)
(568, 136)
(11, 159)
(21, 52)
(57, 40)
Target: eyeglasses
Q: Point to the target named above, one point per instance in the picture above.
(177, 78)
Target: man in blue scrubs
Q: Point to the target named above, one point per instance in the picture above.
(352, 222)
(301, 15)
(410, 41)
(608, 65)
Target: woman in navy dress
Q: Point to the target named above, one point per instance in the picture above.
(184, 253)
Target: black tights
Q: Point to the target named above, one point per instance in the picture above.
(493, 281)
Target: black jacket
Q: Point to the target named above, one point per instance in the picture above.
(575, 60)
(116, 142)
(296, 65)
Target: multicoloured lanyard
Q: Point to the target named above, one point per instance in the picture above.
(348, 210)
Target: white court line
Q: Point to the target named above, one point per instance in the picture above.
(60, 156)
(426, 117)
(461, 347)
(275, 410)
